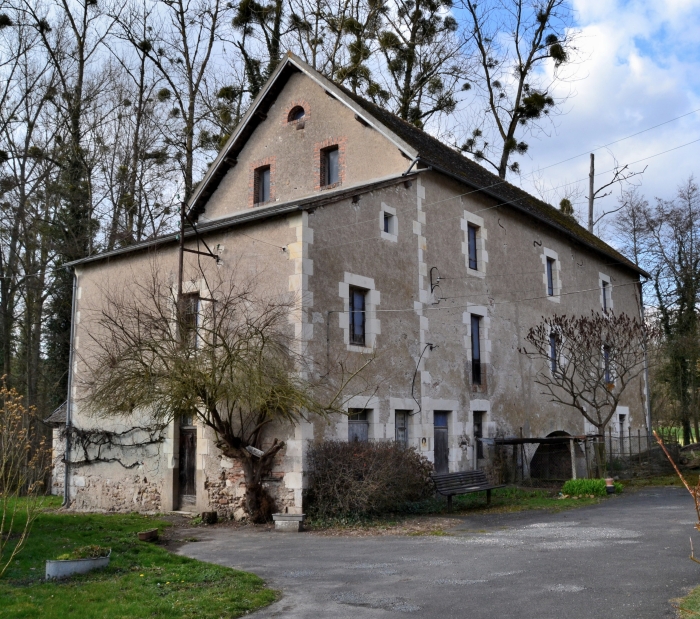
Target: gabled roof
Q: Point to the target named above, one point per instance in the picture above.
(414, 143)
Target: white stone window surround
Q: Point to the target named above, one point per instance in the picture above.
(556, 274)
(203, 307)
(622, 410)
(488, 426)
(405, 404)
(372, 300)
(484, 327)
(482, 256)
(371, 405)
(602, 277)
(393, 234)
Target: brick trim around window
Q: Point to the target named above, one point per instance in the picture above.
(284, 120)
(319, 147)
(261, 163)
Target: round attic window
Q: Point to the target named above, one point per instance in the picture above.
(296, 114)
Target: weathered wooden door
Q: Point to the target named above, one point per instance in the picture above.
(188, 469)
(441, 446)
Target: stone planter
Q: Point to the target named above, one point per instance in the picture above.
(289, 523)
(62, 568)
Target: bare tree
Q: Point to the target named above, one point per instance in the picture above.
(516, 42)
(587, 362)
(674, 257)
(231, 364)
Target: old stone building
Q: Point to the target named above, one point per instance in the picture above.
(396, 246)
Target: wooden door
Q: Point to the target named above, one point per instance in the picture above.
(441, 446)
(188, 468)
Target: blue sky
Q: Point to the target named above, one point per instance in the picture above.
(639, 66)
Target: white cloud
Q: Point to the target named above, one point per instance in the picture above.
(640, 66)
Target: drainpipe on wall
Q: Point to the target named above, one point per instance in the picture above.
(69, 399)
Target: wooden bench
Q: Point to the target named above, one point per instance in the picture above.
(450, 484)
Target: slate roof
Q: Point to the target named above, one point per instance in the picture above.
(445, 159)
(411, 140)
(57, 418)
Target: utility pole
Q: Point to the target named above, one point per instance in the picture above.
(181, 261)
(591, 194)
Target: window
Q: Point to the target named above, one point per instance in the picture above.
(387, 222)
(479, 433)
(358, 425)
(550, 277)
(357, 315)
(471, 242)
(296, 114)
(553, 352)
(190, 318)
(607, 374)
(606, 293)
(476, 349)
(261, 187)
(330, 166)
(401, 418)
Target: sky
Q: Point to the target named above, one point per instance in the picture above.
(639, 66)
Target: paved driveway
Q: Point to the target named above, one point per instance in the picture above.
(624, 558)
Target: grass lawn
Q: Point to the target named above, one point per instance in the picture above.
(142, 580)
(689, 606)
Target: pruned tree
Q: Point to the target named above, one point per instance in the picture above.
(588, 362)
(521, 47)
(228, 361)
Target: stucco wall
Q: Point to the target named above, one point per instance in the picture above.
(146, 478)
(293, 154)
(509, 292)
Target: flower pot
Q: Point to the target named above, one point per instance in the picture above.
(148, 536)
(62, 568)
(610, 485)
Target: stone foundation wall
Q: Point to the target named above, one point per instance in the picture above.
(132, 492)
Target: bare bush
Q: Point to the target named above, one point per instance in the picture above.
(23, 468)
(359, 478)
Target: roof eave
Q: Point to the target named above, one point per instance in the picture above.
(253, 215)
(462, 179)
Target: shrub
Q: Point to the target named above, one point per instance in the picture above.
(597, 487)
(85, 552)
(359, 479)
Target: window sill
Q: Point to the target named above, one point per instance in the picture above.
(555, 298)
(333, 186)
(476, 272)
(388, 236)
(359, 348)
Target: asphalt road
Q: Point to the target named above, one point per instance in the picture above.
(624, 558)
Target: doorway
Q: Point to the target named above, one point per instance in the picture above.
(188, 466)
(441, 445)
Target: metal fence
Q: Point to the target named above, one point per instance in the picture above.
(623, 455)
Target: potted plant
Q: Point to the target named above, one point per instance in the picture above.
(79, 561)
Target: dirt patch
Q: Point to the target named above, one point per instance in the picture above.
(415, 525)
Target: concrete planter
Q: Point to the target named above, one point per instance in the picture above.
(62, 568)
(289, 523)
